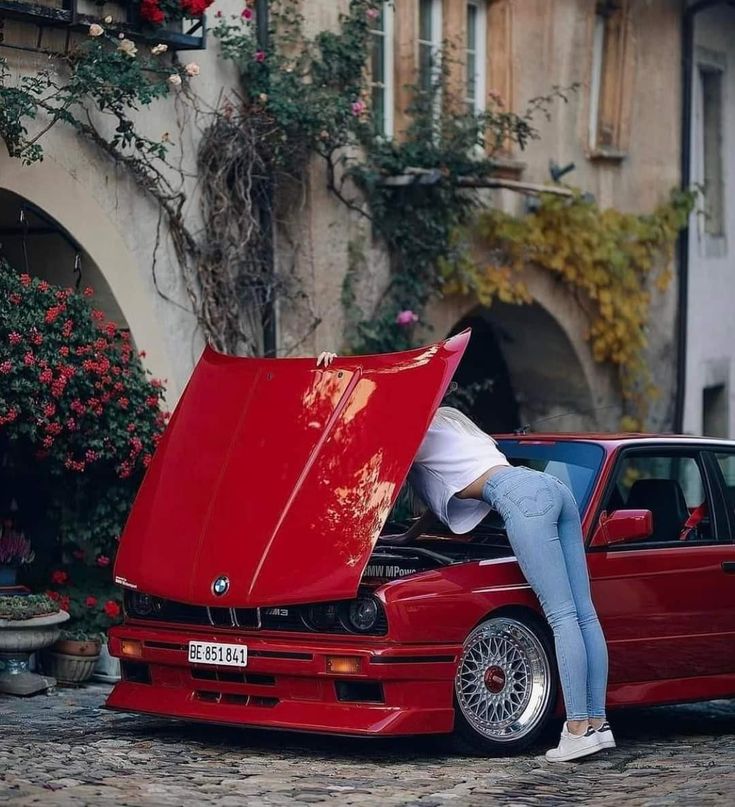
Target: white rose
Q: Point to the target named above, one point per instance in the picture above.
(128, 47)
(174, 79)
(192, 69)
(108, 19)
(157, 50)
(96, 30)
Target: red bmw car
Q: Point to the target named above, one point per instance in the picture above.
(258, 591)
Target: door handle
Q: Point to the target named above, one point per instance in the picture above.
(728, 566)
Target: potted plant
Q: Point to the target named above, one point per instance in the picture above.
(90, 597)
(15, 550)
(27, 624)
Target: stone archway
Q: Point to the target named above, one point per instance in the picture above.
(64, 200)
(536, 359)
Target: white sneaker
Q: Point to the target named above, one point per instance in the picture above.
(572, 746)
(605, 736)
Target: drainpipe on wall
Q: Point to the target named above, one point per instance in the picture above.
(687, 83)
(268, 314)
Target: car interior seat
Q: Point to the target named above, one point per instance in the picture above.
(665, 499)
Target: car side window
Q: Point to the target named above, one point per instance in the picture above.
(726, 461)
(671, 486)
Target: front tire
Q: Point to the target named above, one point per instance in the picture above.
(505, 686)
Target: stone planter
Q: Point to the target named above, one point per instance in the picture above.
(107, 668)
(18, 639)
(71, 661)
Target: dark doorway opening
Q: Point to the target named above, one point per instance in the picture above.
(484, 389)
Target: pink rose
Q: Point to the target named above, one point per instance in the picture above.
(358, 108)
(406, 317)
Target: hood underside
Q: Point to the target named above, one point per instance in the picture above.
(279, 475)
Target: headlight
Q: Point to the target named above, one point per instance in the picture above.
(142, 605)
(363, 614)
(322, 617)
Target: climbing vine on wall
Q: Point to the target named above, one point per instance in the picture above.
(610, 261)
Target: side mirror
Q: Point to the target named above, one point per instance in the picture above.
(623, 526)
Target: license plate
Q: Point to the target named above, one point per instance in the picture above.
(228, 655)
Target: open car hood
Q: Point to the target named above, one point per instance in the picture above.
(279, 475)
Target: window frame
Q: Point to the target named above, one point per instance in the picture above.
(478, 104)
(710, 457)
(711, 244)
(387, 34)
(721, 524)
(611, 78)
(435, 43)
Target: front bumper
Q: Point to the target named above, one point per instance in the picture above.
(286, 684)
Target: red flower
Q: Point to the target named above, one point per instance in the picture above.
(59, 577)
(103, 560)
(46, 377)
(14, 338)
(64, 603)
(28, 359)
(195, 8)
(54, 595)
(15, 298)
(259, 56)
(88, 292)
(90, 602)
(111, 608)
(43, 286)
(25, 280)
(52, 314)
(49, 410)
(68, 329)
(150, 12)
(6, 367)
(63, 350)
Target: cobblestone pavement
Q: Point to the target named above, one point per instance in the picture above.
(62, 749)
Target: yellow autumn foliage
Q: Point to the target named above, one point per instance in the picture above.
(612, 258)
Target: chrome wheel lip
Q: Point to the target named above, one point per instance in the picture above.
(517, 709)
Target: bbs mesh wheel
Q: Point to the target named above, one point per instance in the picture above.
(505, 686)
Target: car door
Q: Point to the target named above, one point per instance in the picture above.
(667, 603)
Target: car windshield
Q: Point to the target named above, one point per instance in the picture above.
(575, 463)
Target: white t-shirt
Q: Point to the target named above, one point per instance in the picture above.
(454, 453)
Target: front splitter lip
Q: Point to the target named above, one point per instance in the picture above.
(349, 720)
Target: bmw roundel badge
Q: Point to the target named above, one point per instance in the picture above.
(220, 585)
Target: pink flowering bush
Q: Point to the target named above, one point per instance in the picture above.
(77, 410)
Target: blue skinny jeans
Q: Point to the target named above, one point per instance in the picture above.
(544, 531)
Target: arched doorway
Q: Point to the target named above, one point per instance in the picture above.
(522, 370)
(31, 241)
(122, 291)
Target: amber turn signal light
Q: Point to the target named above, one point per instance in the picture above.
(343, 665)
(131, 648)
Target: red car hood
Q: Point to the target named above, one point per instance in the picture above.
(279, 475)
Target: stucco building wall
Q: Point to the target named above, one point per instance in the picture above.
(532, 45)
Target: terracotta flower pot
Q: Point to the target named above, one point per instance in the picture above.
(71, 661)
(77, 647)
